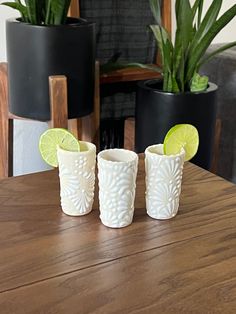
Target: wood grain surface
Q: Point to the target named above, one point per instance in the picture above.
(6, 126)
(128, 75)
(192, 276)
(151, 264)
(58, 101)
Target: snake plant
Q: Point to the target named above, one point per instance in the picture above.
(41, 12)
(182, 59)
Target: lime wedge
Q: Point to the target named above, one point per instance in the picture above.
(51, 139)
(182, 136)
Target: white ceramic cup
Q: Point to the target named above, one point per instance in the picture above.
(117, 171)
(77, 179)
(163, 182)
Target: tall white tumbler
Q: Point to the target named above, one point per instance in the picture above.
(77, 179)
(163, 182)
(117, 171)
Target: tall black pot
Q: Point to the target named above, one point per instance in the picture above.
(36, 52)
(158, 111)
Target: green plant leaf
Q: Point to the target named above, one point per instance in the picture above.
(165, 46)
(169, 83)
(19, 7)
(201, 48)
(206, 24)
(165, 80)
(59, 10)
(184, 34)
(156, 29)
(184, 20)
(66, 9)
(177, 9)
(167, 65)
(198, 83)
(197, 7)
(178, 63)
(180, 77)
(199, 18)
(32, 11)
(175, 86)
(48, 14)
(168, 52)
(42, 12)
(156, 10)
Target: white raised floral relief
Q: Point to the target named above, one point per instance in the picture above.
(77, 180)
(117, 171)
(163, 182)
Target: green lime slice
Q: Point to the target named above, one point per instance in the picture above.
(51, 139)
(182, 136)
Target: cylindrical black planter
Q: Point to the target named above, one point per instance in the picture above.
(36, 52)
(158, 111)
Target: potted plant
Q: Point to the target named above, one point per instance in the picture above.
(44, 42)
(182, 96)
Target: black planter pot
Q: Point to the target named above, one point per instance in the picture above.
(157, 112)
(36, 52)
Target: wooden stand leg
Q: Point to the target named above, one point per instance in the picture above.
(86, 128)
(58, 101)
(74, 10)
(59, 105)
(75, 127)
(90, 125)
(6, 127)
(129, 133)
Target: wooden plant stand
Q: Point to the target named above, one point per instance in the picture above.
(86, 128)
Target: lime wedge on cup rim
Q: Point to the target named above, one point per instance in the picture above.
(182, 136)
(51, 139)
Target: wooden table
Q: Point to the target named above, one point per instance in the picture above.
(53, 263)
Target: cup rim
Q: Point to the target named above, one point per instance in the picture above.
(133, 155)
(91, 147)
(148, 152)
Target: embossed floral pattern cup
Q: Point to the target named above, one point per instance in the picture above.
(117, 171)
(77, 179)
(163, 182)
